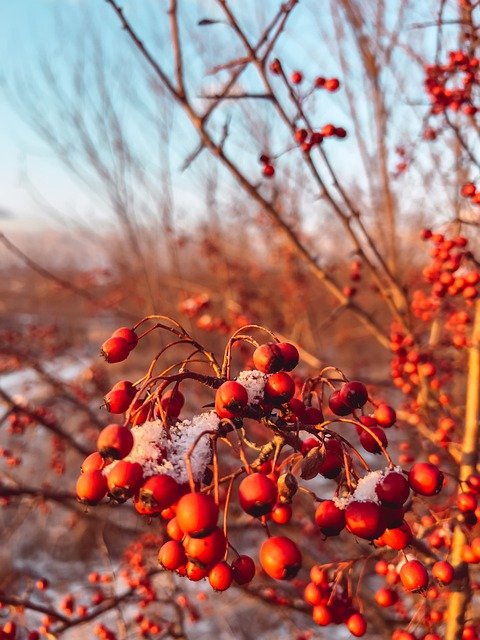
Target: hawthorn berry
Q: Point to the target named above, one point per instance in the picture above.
(115, 442)
(257, 494)
(197, 514)
(280, 558)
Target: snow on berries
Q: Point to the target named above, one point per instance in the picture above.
(263, 435)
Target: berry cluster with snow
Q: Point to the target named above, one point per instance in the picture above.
(365, 490)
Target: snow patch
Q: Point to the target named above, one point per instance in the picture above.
(254, 382)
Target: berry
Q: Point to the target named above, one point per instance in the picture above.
(115, 350)
(414, 576)
(124, 479)
(257, 494)
(329, 518)
(279, 388)
(268, 358)
(172, 555)
(280, 558)
(197, 514)
(115, 442)
(220, 576)
(91, 487)
(385, 415)
(356, 624)
(364, 519)
(425, 478)
(230, 400)
(243, 569)
(354, 394)
(159, 492)
(393, 490)
(443, 572)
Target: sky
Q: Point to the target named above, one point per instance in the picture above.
(30, 174)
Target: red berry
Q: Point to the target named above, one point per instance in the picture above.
(425, 478)
(257, 494)
(220, 576)
(280, 558)
(332, 84)
(124, 479)
(354, 394)
(115, 350)
(296, 77)
(118, 399)
(91, 487)
(386, 597)
(93, 462)
(197, 514)
(371, 441)
(172, 402)
(290, 355)
(393, 490)
(269, 170)
(337, 405)
(159, 492)
(322, 615)
(115, 442)
(364, 519)
(443, 572)
(356, 624)
(385, 415)
(127, 334)
(243, 569)
(397, 538)
(208, 550)
(414, 576)
(281, 513)
(172, 555)
(466, 502)
(230, 400)
(279, 388)
(268, 358)
(329, 518)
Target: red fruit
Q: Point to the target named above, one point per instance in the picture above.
(443, 572)
(329, 518)
(280, 558)
(296, 77)
(414, 576)
(230, 400)
(257, 494)
(243, 569)
(139, 412)
(269, 170)
(466, 502)
(173, 530)
(127, 334)
(194, 572)
(473, 482)
(397, 538)
(115, 350)
(364, 519)
(118, 399)
(172, 402)
(197, 514)
(468, 190)
(322, 615)
(332, 463)
(393, 490)
(93, 462)
(91, 487)
(268, 358)
(356, 624)
(386, 597)
(313, 594)
(290, 355)
(208, 550)
(159, 492)
(425, 478)
(124, 479)
(337, 406)
(385, 415)
(371, 441)
(332, 84)
(279, 388)
(220, 576)
(475, 545)
(281, 513)
(172, 555)
(115, 442)
(354, 394)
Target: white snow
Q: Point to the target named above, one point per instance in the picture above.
(365, 490)
(159, 454)
(254, 382)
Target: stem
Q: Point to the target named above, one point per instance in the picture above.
(461, 589)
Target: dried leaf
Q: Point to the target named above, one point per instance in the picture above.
(287, 486)
(206, 21)
(312, 462)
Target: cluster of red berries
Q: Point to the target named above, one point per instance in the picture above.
(469, 190)
(461, 71)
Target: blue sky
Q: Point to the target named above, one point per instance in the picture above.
(30, 26)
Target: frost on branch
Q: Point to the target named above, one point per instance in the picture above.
(365, 490)
(159, 454)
